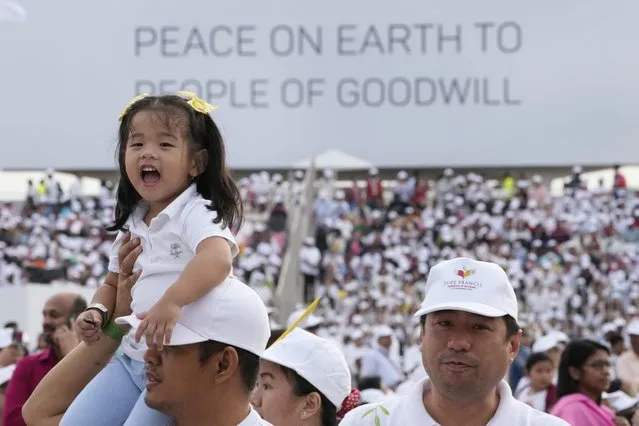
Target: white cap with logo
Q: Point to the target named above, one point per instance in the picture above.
(231, 313)
(315, 359)
(468, 285)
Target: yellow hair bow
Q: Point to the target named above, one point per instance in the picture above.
(130, 104)
(196, 103)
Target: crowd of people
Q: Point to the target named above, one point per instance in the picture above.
(570, 261)
(57, 236)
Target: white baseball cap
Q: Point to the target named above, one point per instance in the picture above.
(633, 327)
(620, 401)
(546, 343)
(231, 313)
(468, 285)
(315, 359)
(6, 373)
(309, 322)
(382, 331)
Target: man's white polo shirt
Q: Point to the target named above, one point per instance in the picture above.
(168, 243)
(408, 410)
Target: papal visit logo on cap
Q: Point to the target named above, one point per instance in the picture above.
(465, 273)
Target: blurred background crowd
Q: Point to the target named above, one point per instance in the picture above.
(369, 244)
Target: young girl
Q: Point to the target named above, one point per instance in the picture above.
(176, 200)
(540, 394)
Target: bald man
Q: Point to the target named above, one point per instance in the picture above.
(58, 314)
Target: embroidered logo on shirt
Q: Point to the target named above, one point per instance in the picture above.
(175, 250)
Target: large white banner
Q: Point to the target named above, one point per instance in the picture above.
(399, 83)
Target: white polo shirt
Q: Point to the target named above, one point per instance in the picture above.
(377, 363)
(409, 410)
(168, 243)
(254, 419)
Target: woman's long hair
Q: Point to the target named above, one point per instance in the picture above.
(575, 355)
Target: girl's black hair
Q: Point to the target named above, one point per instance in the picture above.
(535, 358)
(214, 183)
(302, 387)
(575, 355)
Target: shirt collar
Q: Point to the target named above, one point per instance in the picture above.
(501, 415)
(46, 355)
(253, 419)
(172, 209)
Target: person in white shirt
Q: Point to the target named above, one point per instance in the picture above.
(628, 362)
(378, 362)
(310, 258)
(177, 200)
(304, 380)
(551, 344)
(541, 393)
(203, 376)
(469, 336)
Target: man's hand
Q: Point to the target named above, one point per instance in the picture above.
(66, 339)
(127, 278)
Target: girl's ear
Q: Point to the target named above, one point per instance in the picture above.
(199, 163)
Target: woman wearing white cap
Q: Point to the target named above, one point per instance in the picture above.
(303, 380)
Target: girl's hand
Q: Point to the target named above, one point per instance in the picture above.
(158, 323)
(89, 326)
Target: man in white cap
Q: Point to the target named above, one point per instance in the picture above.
(377, 362)
(628, 362)
(209, 369)
(469, 336)
(203, 377)
(310, 259)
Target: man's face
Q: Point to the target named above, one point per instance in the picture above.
(466, 355)
(175, 376)
(54, 315)
(385, 342)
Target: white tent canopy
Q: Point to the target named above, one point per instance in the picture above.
(335, 160)
(13, 185)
